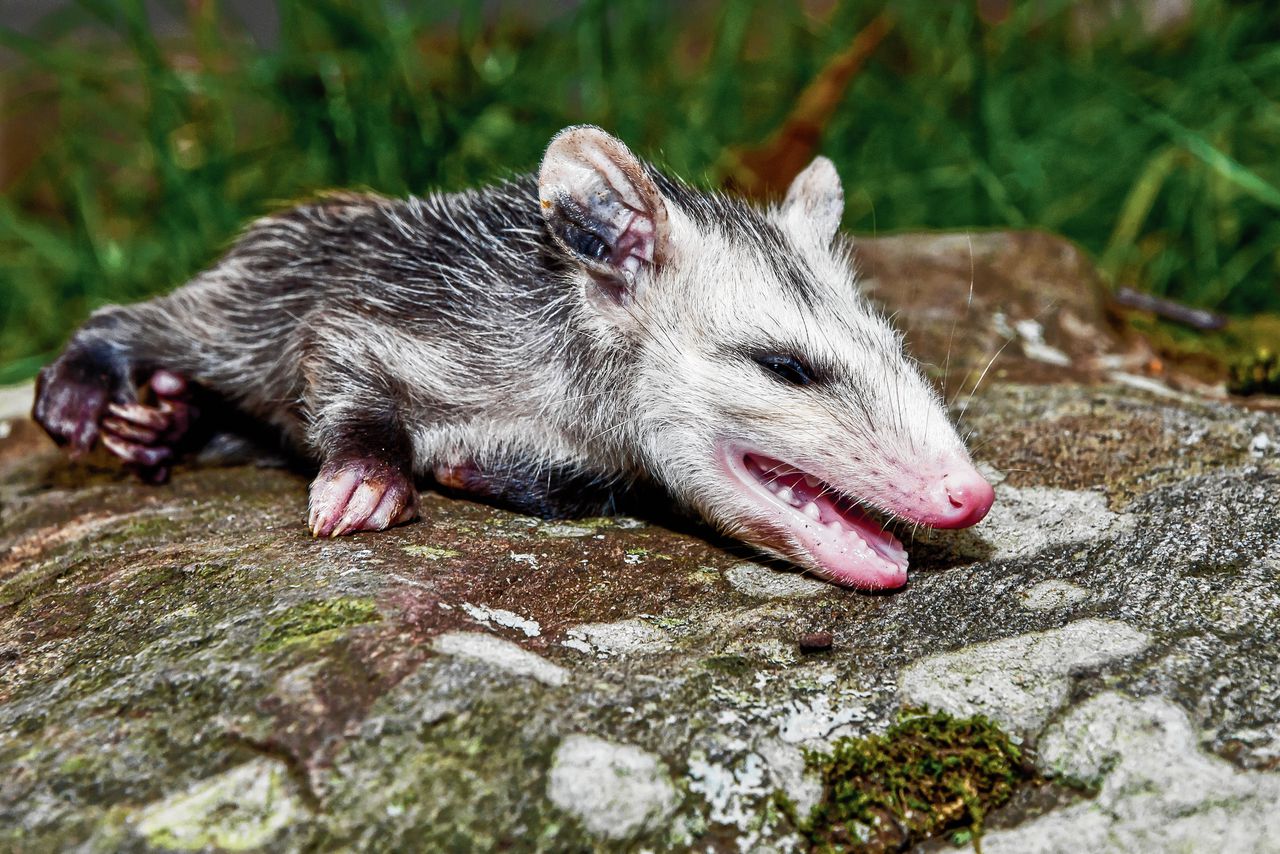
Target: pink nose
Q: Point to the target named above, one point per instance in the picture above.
(969, 496)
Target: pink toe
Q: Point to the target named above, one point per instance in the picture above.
(362, 504)
(133, 453)
(392, 508)
(143, 416)
(129, 431)
(329, 497)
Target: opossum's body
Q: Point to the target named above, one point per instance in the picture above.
(437, 329)
(594, 326)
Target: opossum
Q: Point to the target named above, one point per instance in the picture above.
(543, 342)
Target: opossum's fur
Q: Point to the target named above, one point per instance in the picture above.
(462, 328)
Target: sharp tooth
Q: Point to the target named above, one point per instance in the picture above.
(786, 495)
(811, 510)
(810, 480)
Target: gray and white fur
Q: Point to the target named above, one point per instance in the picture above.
(599, 323)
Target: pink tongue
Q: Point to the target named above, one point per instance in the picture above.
(860, 555)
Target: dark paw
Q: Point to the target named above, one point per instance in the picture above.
(360, 495)
(148, 436)
(83, 398)
(72, 394)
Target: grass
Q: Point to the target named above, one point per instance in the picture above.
(134, 161)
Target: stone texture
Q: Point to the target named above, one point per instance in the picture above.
(1052, 594)
(615, 790)
(1157, 790)
(443, 686)
(1018, 682)
(502, 655)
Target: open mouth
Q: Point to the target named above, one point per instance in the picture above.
(840, 540)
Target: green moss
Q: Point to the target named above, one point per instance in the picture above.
(1255, 373)
(313, 621)
(243, 809)
(1243, 352)
(597, 522)
(155, 525)
(705, 576)
(75, 765)
(669, 623)
(929, 774)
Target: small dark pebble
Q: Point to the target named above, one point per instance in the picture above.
(815, 642)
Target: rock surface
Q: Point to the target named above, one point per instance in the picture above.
(183, 668)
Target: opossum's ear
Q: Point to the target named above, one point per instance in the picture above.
(815, 199)
(603, 208)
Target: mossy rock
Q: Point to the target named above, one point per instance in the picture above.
(929, 774)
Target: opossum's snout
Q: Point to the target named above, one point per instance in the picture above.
(813, 522)
(968, 498)
(949, 493)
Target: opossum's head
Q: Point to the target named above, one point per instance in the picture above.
(764, 390)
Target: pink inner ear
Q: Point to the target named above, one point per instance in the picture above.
(634, 247)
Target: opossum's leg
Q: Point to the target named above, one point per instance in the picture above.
(366, 476)
(91, 392)
(550, 492)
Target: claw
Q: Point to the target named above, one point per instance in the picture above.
(133, 453)
(329, 495)
(143, 416)
(392, 510)
(360, 495)
(129, 430)
(145, 436)
(361, 504)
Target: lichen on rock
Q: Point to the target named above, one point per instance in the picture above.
(615, 790)
(316, 621)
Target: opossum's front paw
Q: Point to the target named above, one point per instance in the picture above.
(147, 437)
(360, 495)
(71, 395)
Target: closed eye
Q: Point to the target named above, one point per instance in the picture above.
(786, 367)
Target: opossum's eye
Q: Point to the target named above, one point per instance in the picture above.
(786, 367)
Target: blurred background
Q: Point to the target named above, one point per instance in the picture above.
(136, 138)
